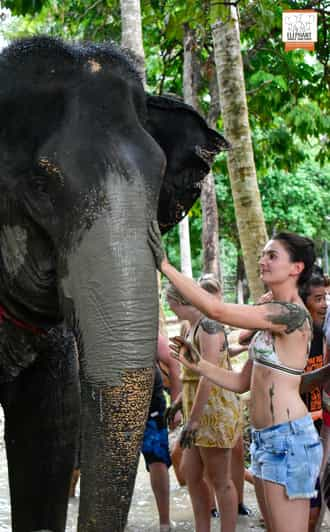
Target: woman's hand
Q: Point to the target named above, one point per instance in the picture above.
(188, 434)
(155, 242)
(171, 417)
(184, 352)
(265, 298)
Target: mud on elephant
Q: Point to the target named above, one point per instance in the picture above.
(87, 160)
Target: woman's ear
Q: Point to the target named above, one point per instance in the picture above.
(190, 147)
(297, 268)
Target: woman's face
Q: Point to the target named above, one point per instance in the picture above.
(275, 264)
(317, 304)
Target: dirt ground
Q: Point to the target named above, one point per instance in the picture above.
(144, 509)
(143, 515)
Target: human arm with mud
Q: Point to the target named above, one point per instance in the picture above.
(185, 353)
(278, 317)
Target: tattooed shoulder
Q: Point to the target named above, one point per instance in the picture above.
(211, 326)
(291, 315)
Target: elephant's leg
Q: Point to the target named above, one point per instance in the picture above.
(42, 410)
(113, 421)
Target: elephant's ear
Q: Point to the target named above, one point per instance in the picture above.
(190, 147)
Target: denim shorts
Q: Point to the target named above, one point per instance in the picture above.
(289, 454)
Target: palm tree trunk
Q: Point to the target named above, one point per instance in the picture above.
(242, 172)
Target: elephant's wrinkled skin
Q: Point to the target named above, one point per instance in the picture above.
(86, 158)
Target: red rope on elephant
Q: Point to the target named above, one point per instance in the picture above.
(21, 324)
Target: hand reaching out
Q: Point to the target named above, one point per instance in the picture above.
(184, 352)
(171, 418)
(188, 434)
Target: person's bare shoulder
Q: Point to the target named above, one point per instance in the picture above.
(211, 326)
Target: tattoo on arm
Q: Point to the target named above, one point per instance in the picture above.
(289, 314)
(211, 326)
(271, 395)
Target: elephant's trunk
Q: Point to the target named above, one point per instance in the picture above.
(115, 297)
(113, 427)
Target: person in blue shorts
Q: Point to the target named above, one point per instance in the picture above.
(155, 446)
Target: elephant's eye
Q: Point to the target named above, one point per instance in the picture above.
(47, 173)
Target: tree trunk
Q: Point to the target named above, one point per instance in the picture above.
(242, 172)
(241, 283)
(210, 215)
(185, 253)
(189, 86)
(131, 32)
(210, 229)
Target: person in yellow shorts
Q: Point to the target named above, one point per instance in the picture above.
(212, 418)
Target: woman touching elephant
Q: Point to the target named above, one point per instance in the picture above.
(87, 160)
(285, 450)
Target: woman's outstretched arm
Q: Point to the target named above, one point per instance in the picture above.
(277, 317)
(238, 382)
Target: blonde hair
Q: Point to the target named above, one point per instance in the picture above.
(210, 283)
(174, 294)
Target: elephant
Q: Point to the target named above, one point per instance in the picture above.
(88, 158)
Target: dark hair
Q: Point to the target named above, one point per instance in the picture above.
(316, 279)
(210, 283)
(173, 293)
(300, 249)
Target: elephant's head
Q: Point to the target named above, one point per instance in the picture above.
(87, 161)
